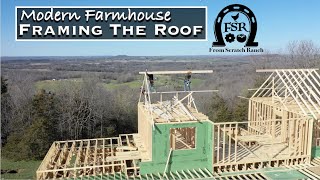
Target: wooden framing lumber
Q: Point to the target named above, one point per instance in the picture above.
(83, 158)
(285, 108)
(237, 148)
(178, 72)
(165, 169)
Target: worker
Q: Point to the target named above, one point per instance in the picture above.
(187, 82)
(151, 83)
(143, 92)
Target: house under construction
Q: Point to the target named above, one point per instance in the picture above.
(280, 139)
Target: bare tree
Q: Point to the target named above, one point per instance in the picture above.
(303, 54)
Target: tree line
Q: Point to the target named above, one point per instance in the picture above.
(88, 111)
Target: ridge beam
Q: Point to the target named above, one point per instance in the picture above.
(178, 72)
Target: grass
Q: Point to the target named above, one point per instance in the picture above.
(51, 85)
(160, 81)
(114, 84)
(196, 82)
(26, 169)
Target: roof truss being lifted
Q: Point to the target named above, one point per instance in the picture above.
(178, 72)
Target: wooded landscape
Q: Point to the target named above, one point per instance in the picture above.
(45, 99)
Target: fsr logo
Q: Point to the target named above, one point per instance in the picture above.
(235, 23)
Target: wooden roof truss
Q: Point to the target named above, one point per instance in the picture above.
(288, 86)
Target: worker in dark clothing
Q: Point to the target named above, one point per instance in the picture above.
(143, 92)
(151, 82)
(187, 82)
